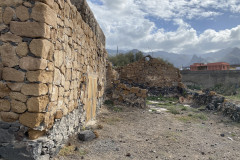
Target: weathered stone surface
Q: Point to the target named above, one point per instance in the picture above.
(40, 47)
(57, 77)
(22, 13)
(2, 26)
(4, 105)
(10, 74)
(4, 90)
(9, 116)
(22, 49)
(8, 37)
(1, 14)
(43, 13)
(31, 120)
(18, 96)
(58, 58)
(59, 114)
(54, 96)
(15, 86)
(9, 57)
(86, 135)
(27, 4)
(33, 134)
(30, 29)
(37, 104)
(8, 15)
(18, 107)
(31, 64)
(40, 76)
(34, 89)
(10, 2)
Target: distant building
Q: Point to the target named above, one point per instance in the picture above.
(210, 66)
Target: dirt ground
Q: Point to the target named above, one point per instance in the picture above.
(139, 134)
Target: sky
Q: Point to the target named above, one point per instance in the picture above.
(177, 26)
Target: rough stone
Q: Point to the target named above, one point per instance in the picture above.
(40, 47)
(4, 105)
(30, 29)
(8, 15)
(37, 104)
(10, 74)
(58, 58)
(31, 120)
(8, 37)
(10, 2)
(9, 116)
(18, 96)
(33, 134)
(86, 135)
(31, 64)
(18, 107)
(34, 89)
(57, 77)
(43, 13)
(2, 26)
(40, 76)
(59, 114)
(22, 13)
(1, 14)
(4, 90)
(9, 57)
(22, 49)
(15, 86)
(54, 96)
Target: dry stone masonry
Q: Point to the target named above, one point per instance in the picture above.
(52, 74)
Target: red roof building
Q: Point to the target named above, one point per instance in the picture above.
(210, 66)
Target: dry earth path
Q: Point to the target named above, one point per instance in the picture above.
(137, 134)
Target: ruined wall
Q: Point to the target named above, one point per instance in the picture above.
(208, 79)
(152, 74)
(52, 74)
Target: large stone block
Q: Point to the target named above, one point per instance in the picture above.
(58, 58)
(22, 49)
(15, 86)
(31, 120)
(54, 96)
(31, 64)
(22, 13)
(30, 29)
(41, 47)
(18, 107)
(37, 104)
(8, 15)
(40, 76)
(4, 90)
(33, 134)
(10, 2)
(18, 96)
(8, 37)
(9, 116)
(57, 77)
(34, 89)
(9, 57)
(4, 105)
(10, 74)
(43, 13)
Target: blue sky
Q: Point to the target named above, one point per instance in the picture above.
(179, 26)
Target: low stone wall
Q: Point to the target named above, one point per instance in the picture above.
(128, 95)
(52, 75)
(212, 101)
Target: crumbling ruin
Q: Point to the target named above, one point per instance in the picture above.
(52, 75)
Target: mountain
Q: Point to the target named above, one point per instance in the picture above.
(229, 55)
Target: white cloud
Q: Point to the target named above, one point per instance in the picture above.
(125, 24)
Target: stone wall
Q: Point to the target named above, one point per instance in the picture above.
(152, 74)
(208, 79)
(52, 74)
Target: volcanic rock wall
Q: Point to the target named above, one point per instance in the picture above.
(52, 74)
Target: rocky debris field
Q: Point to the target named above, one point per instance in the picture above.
(165, 131)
